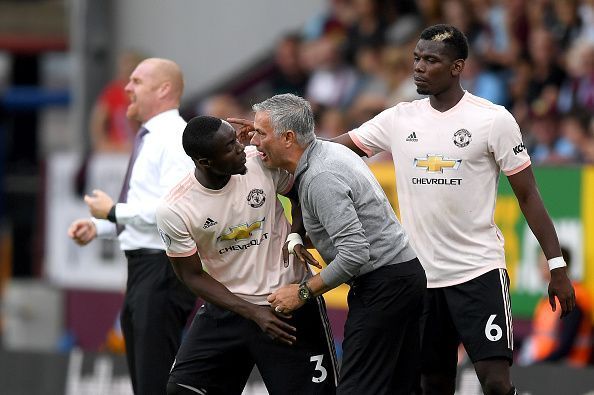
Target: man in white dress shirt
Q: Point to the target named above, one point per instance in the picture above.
(156, 305)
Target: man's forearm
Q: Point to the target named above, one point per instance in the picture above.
(212, 291)
(317, 285)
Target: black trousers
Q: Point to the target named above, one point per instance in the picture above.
(156, 308)
(382, 342)
(222, 347)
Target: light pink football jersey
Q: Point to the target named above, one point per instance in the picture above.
(447, 171)
(238, 231)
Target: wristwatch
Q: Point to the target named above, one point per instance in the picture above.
(304, 293)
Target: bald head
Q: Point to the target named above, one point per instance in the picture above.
(156, 85)
(165, 71)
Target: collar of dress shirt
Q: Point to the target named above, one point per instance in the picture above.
(161, 122)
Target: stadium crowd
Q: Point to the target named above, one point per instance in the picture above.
(354, 60)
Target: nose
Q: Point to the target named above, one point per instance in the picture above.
(254, 140)
(418, 66)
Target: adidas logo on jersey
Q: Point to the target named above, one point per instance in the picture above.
(209, 222)
(412, 137)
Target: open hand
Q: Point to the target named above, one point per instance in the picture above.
(273, 326)
(301, 255)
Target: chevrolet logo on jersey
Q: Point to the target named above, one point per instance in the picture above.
(436, 163)
(242, 232)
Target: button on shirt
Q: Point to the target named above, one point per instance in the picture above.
(160, 165)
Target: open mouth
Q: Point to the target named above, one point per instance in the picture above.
(263, 156)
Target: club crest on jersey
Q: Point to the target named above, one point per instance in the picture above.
(462, 138)
(256, 198)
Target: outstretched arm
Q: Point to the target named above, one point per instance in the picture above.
(526, 191)
(189, 271)
(348, 142)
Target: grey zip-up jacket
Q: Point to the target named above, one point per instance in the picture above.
(347, 214)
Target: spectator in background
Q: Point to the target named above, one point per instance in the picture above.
(545, 71)
(332, 22)
(398, 76)
(574, 128)
(566, 23)
(553, 339)
(221, 105)
(289, 75)
(333, 82)
(368, 30)
(111, 130)
(482, 82)
(430, 11)
(156, 305)
(577, 91)
(550, 147)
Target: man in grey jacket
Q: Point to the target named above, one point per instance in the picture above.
(351, 223)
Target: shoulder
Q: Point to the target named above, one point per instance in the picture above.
(483, 107)
(179, 191)
(405, 108)
(477, 102)
(330, 161)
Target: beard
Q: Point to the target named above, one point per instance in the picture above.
(423, 91)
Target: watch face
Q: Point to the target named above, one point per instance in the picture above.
(303, 293)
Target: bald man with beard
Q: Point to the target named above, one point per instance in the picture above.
(156, 305)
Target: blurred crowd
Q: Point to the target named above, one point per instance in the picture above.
(535, 57)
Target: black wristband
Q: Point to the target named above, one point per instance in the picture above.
(111, 217)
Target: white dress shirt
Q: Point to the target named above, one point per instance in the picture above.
(160, 165)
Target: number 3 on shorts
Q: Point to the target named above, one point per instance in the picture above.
(490, 327)
(323, 372)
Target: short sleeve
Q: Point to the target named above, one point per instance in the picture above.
(174, 233)
(373, 136)
(505, 142)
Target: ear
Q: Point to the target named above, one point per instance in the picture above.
(203, 162)
(164, 89)
(289, 138)
(457, 67)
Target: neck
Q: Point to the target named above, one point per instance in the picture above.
(209, 180)
(293, 157)
(447, 99)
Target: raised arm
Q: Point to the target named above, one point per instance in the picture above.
(347, 141)
(526, 191)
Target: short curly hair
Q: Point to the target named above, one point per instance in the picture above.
(454, 40)
(198, 134)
